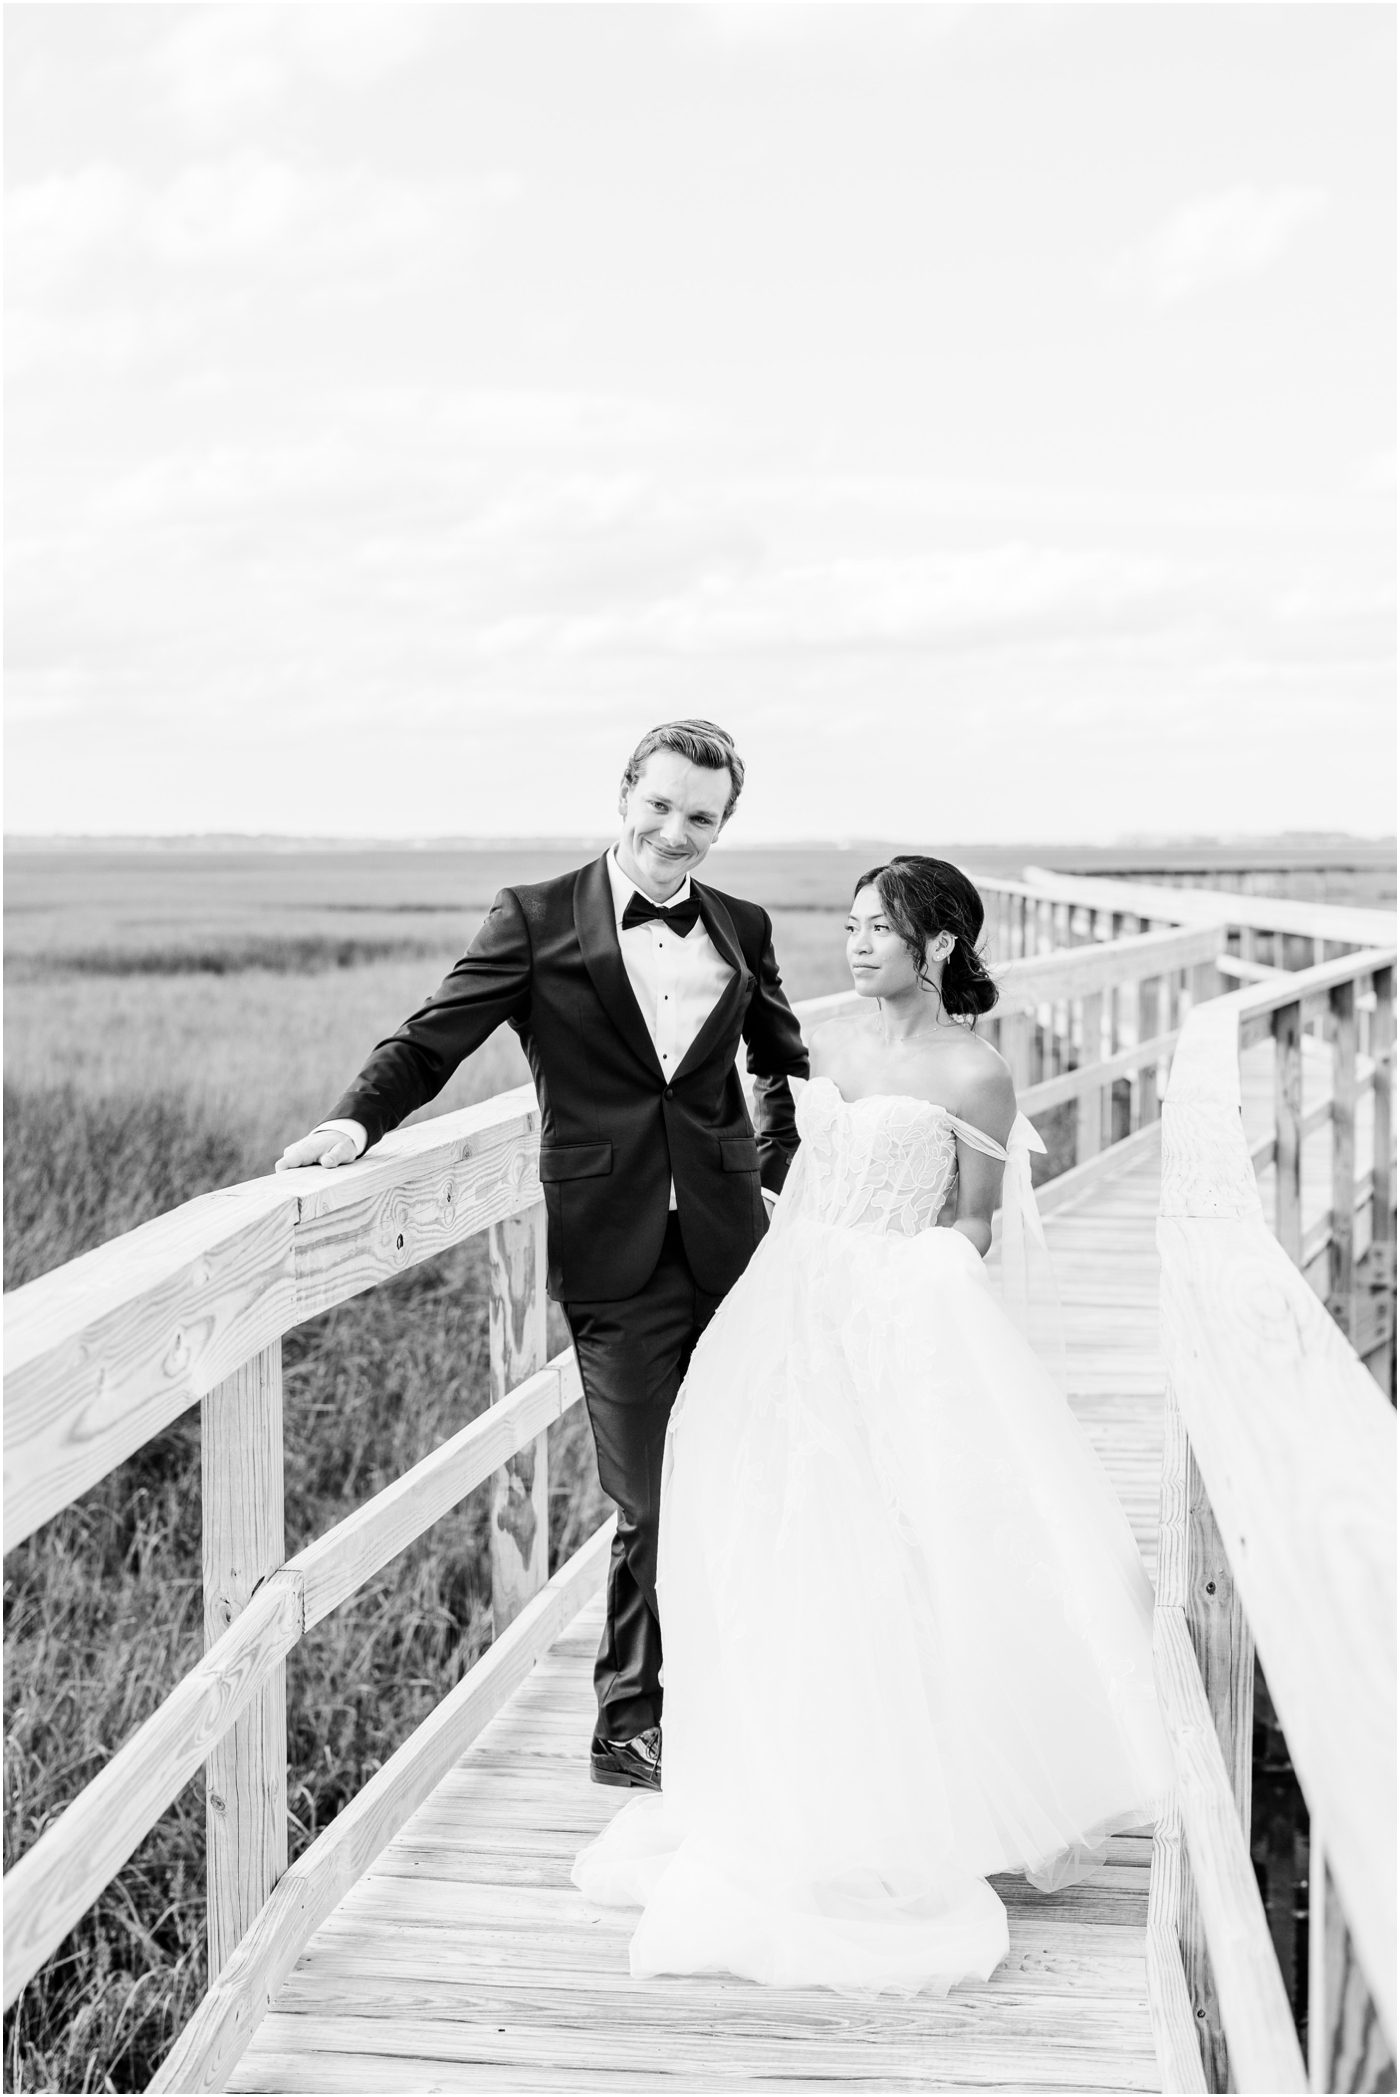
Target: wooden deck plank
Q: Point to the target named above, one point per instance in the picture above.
(468, 1961)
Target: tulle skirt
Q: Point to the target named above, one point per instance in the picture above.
(907, 1632)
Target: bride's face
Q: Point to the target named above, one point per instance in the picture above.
(880, 963)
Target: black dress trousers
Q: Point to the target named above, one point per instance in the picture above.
(632, 1357)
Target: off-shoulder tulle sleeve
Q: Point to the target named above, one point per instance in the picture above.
(1027, 1277)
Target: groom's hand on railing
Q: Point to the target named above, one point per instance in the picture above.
(324, 1146)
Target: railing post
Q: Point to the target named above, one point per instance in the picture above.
(1016, 1034)
(1341, 1281)
(1288, 1126)
(1177, 1555)
(1089, 1107)
(245, 1778)
(1152, 1003)
(520, 1489)
(1221, 1636)
(1380, 1260)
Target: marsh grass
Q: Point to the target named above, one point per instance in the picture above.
(307, 954)
(103, 1609)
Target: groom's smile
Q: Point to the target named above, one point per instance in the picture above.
(671, 815)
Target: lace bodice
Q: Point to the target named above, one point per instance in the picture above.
(886, 1164)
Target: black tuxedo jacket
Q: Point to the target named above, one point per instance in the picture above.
(614, 1131)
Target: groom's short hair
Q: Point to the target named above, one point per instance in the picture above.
(702, 743)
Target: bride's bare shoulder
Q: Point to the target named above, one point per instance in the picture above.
(986, 1092)
(964, 1072)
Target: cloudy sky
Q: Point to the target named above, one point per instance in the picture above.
(986, 412)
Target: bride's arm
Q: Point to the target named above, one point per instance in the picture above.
(989, 1103)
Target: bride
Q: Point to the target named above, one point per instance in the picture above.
(908, 1634)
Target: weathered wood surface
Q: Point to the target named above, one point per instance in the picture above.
(1168, 1996)
(1297, 1450)
(1185, 2009)
(467, 1961)
(1263, 2051)
(245, 1778)
(103, 1353)
(109, 1349)
(338, 1860)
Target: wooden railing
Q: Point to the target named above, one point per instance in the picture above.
(192, 1307)
(1278, 1533)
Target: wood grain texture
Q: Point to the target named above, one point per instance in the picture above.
(1174, 2029)
(244, 1541)
(104, 1353)
(338, 1563)
(108, 1350)
(1221, 1639)
(491, 1963)
(1263, 2052)
(211, 2044)
(520, 1488)
(416, 1193)
(57, 1880)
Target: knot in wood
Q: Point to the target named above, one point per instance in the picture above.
(177, 1356)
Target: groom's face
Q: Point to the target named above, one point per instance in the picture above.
(670, 818)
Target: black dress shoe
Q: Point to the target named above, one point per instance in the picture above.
(633, 1764)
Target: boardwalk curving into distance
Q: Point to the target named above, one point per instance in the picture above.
(1221, 1070)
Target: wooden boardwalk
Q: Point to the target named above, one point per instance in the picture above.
(430, 1938)
(466, 1960)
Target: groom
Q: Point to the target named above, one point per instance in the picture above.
(630, 986)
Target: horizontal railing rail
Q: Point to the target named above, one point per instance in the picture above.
(1330, 923)
(1278, 1530)
(58, 1879)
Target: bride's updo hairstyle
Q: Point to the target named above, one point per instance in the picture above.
(923, 897)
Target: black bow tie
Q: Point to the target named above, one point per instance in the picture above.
(681, 917)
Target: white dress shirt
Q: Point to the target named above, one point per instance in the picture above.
(677, 983)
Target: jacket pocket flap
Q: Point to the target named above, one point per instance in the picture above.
(574, 1161)
(738, 1153)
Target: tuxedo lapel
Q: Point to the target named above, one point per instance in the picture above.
(595, 922)
(730, 1002)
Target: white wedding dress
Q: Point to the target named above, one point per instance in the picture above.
(907, 1631)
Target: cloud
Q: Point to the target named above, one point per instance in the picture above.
(249, 206)
(1215, 240)
(106, 268)
(222, 67)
